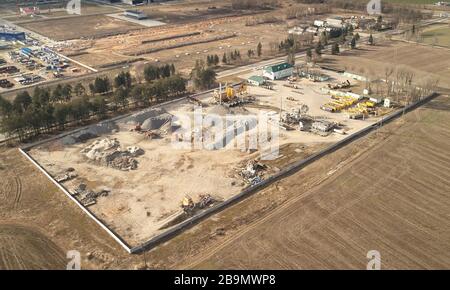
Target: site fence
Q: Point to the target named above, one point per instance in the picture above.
(170, 233)
(289, 170)
(23, 150)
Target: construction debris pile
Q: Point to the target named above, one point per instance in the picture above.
(88, 197)
(253, 172)
(342, 85)
(295, 117)
(190, 206)
(107, 152)
(68, 175)
(323, 127)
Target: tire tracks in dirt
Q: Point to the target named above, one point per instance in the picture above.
(283, 207)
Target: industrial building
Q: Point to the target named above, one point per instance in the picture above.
(278, 71)
(256, 81)
(12, 35)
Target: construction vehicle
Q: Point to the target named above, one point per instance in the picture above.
(187, 204)
(342, 85)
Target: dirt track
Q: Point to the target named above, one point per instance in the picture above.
(38, 224)
(24, 248)
(393, 198)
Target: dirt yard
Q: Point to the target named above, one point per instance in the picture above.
(402, 212)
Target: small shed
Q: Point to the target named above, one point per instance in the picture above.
(256, 80)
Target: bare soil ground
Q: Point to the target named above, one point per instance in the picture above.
(58, 11)
(142, 201)
(323, 212)
(128, 45)
(437, 35)
(193, 16)
(80, 27)
(392, 198)
(424, 61)
(34, 237)
(25, 248)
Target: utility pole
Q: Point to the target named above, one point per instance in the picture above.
(281, 106)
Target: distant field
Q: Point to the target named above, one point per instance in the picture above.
(86, 26)
(410, 1)
(439, 35)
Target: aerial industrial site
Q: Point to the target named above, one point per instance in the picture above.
(191, 134)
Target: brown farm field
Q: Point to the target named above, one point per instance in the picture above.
(424, 61)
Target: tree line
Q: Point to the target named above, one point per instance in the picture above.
(46, 110)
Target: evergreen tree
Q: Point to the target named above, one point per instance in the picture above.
(224, 59)
(259, 49)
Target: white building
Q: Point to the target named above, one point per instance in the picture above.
(278, 71)
(335, 21)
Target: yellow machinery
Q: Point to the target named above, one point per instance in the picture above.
(187, 204)
(361, 110)
(229, 94)
(339, 103)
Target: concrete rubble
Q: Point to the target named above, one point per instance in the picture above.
(253, 172)
(66, 176)
(88, 197)
(107, 152)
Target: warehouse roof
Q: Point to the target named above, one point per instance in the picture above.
(257, 79)
(279, 67)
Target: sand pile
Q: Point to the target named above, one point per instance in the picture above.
(141, 117)
(155, 123)
(93, 131)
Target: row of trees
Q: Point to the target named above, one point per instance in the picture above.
(45, 110)
(152, 72)
(232, 57)
(203, 76)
